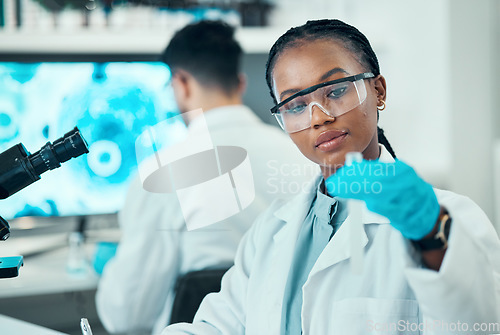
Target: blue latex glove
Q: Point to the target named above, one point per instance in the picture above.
(393, 190)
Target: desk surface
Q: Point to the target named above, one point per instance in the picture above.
(45, 273)
(13, 326)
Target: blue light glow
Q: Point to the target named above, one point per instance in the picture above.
(112, 104)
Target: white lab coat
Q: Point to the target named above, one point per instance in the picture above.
(395, 293)
(136, 289)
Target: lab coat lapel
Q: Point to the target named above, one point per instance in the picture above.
(292, 216)
(339, 249)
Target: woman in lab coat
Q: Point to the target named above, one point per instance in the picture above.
(431, 257)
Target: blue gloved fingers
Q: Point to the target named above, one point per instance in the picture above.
(352, 181)
(403, 192)
(393, 190)
(416, 216)
(412, 192)
(369, 178)
(394, 208)
(423, 217)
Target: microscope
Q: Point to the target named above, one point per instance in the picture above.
(19, 168)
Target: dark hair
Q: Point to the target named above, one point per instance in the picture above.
(209, 52)
(352, 39)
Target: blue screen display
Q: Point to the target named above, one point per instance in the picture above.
(111, 103)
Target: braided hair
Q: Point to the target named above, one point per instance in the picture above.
(352, 39)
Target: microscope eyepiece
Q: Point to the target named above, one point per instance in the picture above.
(71, 145)
(19, 169)
(50, 156)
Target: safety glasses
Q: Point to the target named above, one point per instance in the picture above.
(334, 98)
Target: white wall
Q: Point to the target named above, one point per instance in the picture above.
(474, 88)
(496, 113)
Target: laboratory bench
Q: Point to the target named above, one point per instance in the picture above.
(46, 293)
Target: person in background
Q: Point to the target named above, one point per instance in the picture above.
(431, 257)
(136, 291)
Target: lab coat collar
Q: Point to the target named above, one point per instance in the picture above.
(339, 247)
(224, 116)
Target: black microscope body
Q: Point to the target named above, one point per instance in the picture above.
(19, 168)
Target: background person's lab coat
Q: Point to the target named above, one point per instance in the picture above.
(395, 294)
(136, 289)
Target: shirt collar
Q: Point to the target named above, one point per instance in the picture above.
(324, 206)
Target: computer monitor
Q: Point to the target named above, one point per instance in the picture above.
(111, 102)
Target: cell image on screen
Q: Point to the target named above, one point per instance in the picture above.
(111, 103)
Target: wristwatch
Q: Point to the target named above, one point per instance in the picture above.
(440, 239)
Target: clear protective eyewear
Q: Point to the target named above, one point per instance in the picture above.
(334, 98)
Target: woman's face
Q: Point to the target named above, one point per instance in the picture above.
(315, 62)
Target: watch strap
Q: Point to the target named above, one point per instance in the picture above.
(440, 239)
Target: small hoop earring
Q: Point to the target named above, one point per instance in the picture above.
(381, 108)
